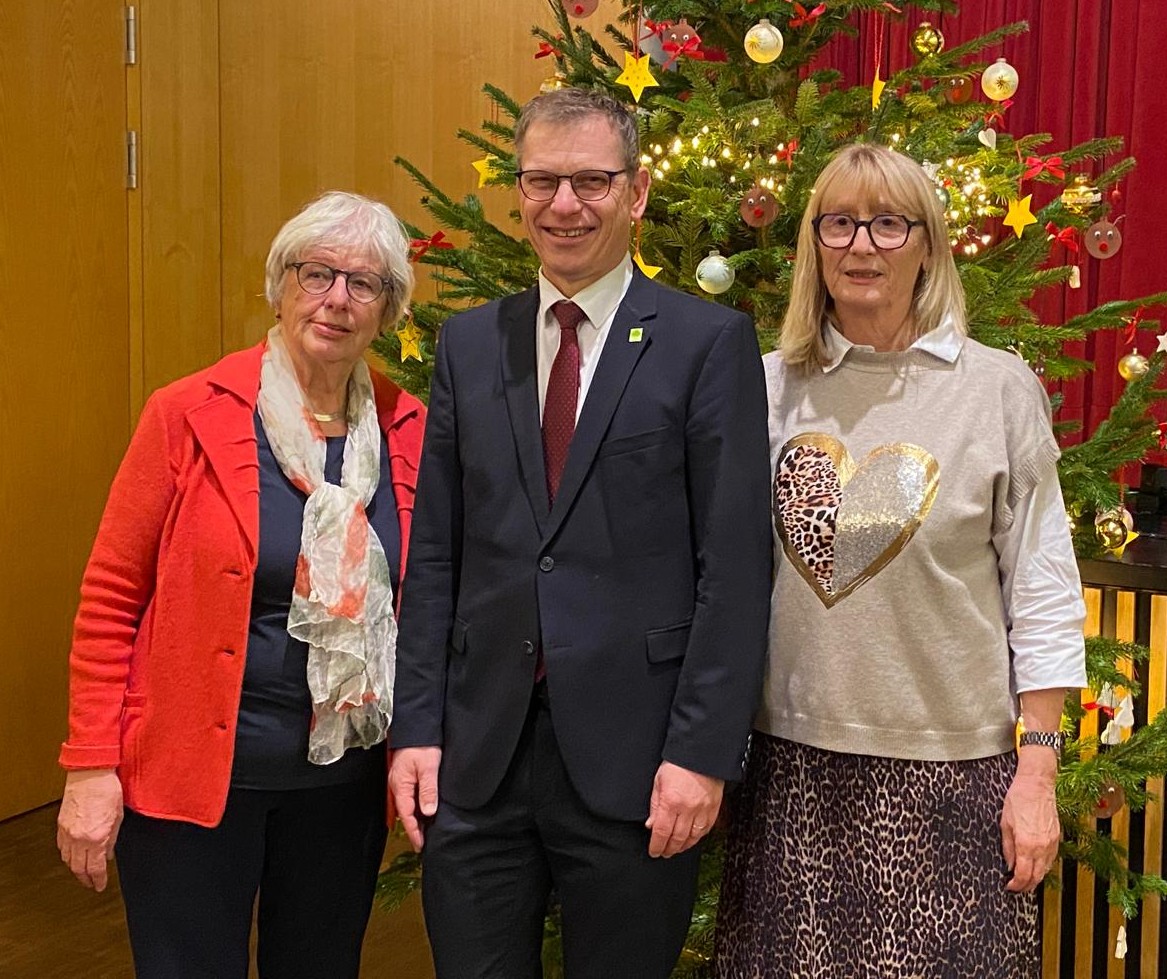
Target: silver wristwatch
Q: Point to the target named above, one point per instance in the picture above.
(1050, 739)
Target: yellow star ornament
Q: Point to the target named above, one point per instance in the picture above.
(649, 270)
(636, 74)
(485, 168)
(877, 87)
(410, 337)
(1019, 216)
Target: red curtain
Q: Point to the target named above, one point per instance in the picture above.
(1087, 69)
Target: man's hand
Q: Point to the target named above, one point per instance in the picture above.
(1030, 831)
(683, 809)
(88, 824)
(413, 784)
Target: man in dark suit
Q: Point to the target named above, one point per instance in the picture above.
(584, 625)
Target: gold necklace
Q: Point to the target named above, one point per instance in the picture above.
(321, 416)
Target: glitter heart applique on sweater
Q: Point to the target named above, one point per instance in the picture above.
(841, 523)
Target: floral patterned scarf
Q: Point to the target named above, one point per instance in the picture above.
(342, 603)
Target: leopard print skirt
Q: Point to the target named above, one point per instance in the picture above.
(855, 867)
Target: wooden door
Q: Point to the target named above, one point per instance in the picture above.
(64, 351)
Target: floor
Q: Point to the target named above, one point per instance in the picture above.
(53, 928)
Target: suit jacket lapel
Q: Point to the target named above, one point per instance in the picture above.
(516, 320)
(617, 360)
(224, 427)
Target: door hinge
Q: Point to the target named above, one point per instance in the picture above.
(131, 35)
(132, 159)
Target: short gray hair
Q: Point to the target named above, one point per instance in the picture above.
(573, 105)
(338, 219)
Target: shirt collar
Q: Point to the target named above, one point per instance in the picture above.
(944, 342)
(598, 301)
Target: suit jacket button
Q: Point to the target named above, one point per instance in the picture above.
(546, 563)
(528, 647)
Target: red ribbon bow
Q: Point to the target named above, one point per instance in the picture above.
(1063, 236)
(1132, 325)
(690, 48)
(423, 245)
(998, 113)
(1035, 166)
(806, 17)
(654, 28)
(787, 154)
(546, 49)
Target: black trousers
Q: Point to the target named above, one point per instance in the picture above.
(487, 874)
(311, 854)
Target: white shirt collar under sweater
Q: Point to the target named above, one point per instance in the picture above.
(944, 342)
(599, 301)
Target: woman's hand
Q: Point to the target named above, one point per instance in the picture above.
(88, 823)
(1030, 831)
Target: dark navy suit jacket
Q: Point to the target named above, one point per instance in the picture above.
(648, 581)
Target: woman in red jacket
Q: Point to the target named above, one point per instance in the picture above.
(232, 665)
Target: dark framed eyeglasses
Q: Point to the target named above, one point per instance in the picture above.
(317, 278)
(887, 231)
(587, 185)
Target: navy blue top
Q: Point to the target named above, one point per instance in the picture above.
(275, 710)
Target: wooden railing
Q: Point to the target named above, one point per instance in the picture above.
(1127, 601)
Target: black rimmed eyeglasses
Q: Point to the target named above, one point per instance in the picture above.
(887, 231)
(587, 185)
(317, 278)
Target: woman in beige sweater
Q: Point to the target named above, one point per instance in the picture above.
(926, 593)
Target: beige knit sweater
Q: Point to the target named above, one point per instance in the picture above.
(892, 474)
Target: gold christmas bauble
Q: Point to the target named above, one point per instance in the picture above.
(1080, 195)
(1110, 800)
(927, 40)
(714, 274)
(1119, 513)
(999, 81)
(1132, 366)
(554, 83)
(1110, 530)
(763, 42)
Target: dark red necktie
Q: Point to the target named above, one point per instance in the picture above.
(562, 395)
(559, 406)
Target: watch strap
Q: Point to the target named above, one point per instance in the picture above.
(1048, 739)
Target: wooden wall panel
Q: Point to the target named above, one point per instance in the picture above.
(179, 188)
(64, 389)
(317, 98)
(1151, 958)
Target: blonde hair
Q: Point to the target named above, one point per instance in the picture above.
(338, 219)
(874, 172)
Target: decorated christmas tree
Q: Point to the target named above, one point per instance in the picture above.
(737, 119)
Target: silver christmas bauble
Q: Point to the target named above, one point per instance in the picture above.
(714, 273)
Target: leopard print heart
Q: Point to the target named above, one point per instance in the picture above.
(840, 524)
